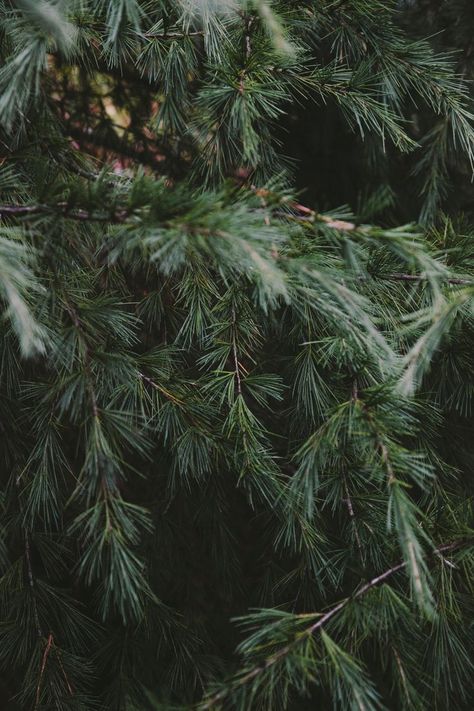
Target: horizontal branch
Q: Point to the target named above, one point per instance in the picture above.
(174, 35)
(316, 626)
(140, 150)
(398, 276)
(63, 210)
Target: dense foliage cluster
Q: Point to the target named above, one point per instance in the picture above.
(236, 452)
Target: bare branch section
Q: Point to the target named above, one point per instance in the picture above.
(63, 210)
(419, 277)
(173, 35)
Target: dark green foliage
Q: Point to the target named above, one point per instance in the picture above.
(230, 421)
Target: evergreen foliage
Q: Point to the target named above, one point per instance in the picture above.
(231, 421)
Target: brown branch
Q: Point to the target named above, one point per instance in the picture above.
(50, 646)
(248, 44)
(174, 35)
(121, 216)
(19, 210)
(169, 396)
(62, 209)
(382, 447)
(66, 679)
(301, 213)
(350, 508)
(160, 389)
(47, 650)
(398, 276)
(113, 144)
(401, 671)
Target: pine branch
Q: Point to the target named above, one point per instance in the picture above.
(273, 659)
(121, 216)
(238, 449)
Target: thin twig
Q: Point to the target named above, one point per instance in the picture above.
(174, 35)
(301, 213)
(386, 460)
(46, 652)
(352, 516)
(74, 316)
(235, 354)
(66, 679)
(398, 276)
(248, 43)
(401, 671)
(348, 500)
(62, 208)
(160, 388)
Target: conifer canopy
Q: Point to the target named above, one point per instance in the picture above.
(236, 355)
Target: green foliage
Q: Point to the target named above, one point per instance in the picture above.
(230, 421)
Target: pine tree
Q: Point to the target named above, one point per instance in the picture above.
(236, 453)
